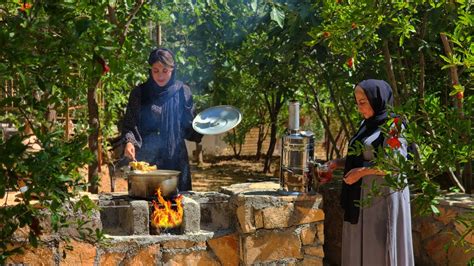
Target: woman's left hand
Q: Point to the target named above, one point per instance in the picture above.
(354, 175)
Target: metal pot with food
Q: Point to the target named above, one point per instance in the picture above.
(144, 180)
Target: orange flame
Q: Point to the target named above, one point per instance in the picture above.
(164, 216)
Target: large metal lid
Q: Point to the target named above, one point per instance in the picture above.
(217, 120)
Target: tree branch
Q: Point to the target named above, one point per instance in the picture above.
(130, 17)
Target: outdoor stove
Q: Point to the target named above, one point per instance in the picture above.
(125, 215)
(297, 157)
(122, 215)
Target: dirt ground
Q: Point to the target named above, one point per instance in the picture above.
(213, 174)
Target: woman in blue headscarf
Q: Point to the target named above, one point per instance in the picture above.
(380, 233)
(159, 118)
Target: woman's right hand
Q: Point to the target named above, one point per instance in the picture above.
(332, 165)
(130, 151)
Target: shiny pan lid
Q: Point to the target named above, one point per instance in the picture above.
(216, 120)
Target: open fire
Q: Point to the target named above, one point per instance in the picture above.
(164, 216)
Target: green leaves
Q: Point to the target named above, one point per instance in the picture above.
(278, 16)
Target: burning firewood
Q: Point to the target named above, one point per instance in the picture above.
(163, 215)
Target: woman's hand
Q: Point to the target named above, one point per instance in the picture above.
(355, 175)
(332, 165)
(130, 151)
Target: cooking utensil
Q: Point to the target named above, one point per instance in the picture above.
(145, 184)
(217, 120)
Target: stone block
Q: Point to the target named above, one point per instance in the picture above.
(192, 216)
(246, 219)
(258, 215)
(216, 211)
(145, 256)
(182, 244)
(429, 228)
(115, 220)
(310, 260)
(267, 245)
(304, 214)
(139, 217)
(43, 255)
(308, 234)
(82, 254)
(277, 217)
(446, 215)
(461, 229)
(197, 258)
(435, 248)
(314, 251)
(226, 249)
(320, 227)
(215, 216)
(117, 252)
(112, 259)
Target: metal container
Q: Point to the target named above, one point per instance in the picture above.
(297, 156)
(143, 185)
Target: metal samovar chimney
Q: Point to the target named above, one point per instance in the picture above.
(294, 116)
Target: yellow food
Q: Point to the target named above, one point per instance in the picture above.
(142, 166)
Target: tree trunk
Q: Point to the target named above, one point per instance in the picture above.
(198, 154)
(274, 109)
(336, 105)
(260, 139)
(316, 107)
(271, 147)
(421, 85)
(401, 71)
(94, 124)
(467, 173)
(390, 74)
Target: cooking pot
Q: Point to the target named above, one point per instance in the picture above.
(145, 184)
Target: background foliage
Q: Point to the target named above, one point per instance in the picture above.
(256, 55)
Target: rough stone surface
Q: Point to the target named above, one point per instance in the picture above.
(182, 244)
(216, 211)
(226, 249)
(270, 245)
(245, 218)
(140, 217)
(446, 215)
(250, 187)
(461, 229)
(116, 218)
(199, 258)
(277, 217)
(304, 213)
(42, 255)
(82, 254)
(310, 260)
(314, 251)
(258, 215)
(308, 234)
(145, 256)
(112, 259)
(321, 232)
(428, 227)
(192, 216)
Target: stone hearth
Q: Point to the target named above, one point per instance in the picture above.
(244, 224)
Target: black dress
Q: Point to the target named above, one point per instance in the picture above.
(157, 122)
